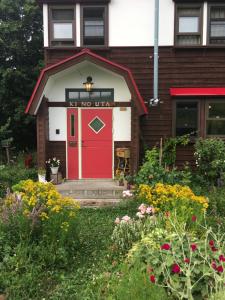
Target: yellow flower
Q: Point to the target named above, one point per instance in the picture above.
(44, 216)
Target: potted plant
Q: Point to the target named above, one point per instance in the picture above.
(54, 164)
(41, 175)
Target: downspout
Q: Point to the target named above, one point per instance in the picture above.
(155, 100)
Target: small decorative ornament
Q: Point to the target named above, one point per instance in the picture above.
(54, 170)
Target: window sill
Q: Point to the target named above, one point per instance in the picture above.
(199, 47)
(106, 48)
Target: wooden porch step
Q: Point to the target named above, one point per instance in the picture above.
(98, 203)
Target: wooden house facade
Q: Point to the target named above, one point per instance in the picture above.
(109, 44)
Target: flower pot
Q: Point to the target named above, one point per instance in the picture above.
(54, 170)
(41, 177)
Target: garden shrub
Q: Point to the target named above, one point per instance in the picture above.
(188, 266)
(12, 174)
(151, 172)
(171, 198)
(37, 213)
(129, 230)
(210, 159)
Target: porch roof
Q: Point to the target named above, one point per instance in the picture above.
(85, 55)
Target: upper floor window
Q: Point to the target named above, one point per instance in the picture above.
(188, 29)
(94, 25)
(216, 24)
(62, 26)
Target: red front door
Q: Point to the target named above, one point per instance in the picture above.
(94, 159)
(97, 143)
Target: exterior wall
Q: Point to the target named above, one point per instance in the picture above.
(122, 124)
(132, 25)
(190, 67)
(75, 76)
(57, 120)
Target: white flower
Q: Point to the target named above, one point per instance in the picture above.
(142, 208)
(149, 210)
(117, 221)
(127, 193)
(126, 218)
(140, 215)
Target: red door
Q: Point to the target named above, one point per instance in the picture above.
(96, 143)
(72, 143)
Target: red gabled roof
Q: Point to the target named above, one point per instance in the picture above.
(85, 54)
(197, 91)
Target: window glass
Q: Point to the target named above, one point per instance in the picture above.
(94, 25)
(188, 21)
(215, 127)
(62, 31)
(84, 95)
(186, 118)
(72, 125)
(73, 95)
(216, 110)
(188, 24)
(95, 95)
(217, 25)
(62, 14)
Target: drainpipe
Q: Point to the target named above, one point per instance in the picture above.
(155, 100)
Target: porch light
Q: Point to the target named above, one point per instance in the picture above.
(88, 84)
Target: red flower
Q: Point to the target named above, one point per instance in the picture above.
(221, 258)
(211, 243)
(175, 268)
(214, 249)
(219, 269)
(165, 247)
(193, 247)
(193, 218)
(167, 214)
(187, 260)
(214, 265)
(152, 278)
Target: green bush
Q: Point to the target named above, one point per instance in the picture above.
(151, 172)
(190, 267)
(12, 174)
(210, 160)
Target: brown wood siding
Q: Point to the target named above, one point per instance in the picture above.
(178, 67)
(42, 134)
(58, 150)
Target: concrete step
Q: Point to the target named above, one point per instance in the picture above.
(92, 194)
(91, 189)
(98, 203)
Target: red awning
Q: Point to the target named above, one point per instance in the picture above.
(210, 91)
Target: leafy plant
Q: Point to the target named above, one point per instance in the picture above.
(210, 159)
(188, 266)
(169, 198)
(151, 172)
(170, 147)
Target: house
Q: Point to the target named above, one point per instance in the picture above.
(93, 95)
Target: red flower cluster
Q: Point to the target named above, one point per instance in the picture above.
(152, 278)
(175, 268)
(193, 218)
(187, 260)
(165, 247)
(219, 269)
(222, 258)
(212, 246)
(193, 247)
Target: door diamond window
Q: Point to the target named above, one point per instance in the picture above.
(96, 124)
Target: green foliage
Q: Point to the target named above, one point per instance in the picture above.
(210, 160)
(20, 60)
(151, 172)
(170, 147)
(187, 265)
(11, 174)
(217, 202)
(129, 283)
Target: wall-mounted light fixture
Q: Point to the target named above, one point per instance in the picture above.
(88, 84)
